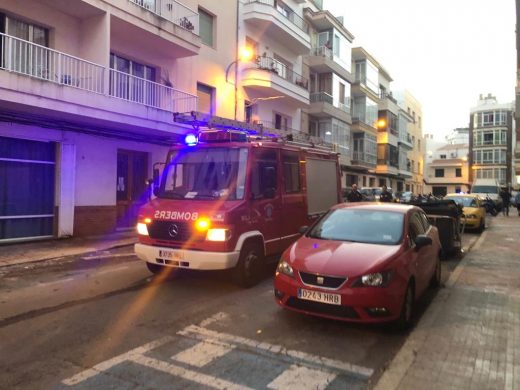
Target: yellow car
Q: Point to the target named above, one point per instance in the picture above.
(473, 210)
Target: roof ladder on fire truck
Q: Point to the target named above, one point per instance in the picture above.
(255, 131)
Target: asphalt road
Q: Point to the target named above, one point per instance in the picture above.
(104, 322)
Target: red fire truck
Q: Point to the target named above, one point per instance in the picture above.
(229, 199)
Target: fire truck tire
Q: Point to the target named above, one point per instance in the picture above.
(249, 267)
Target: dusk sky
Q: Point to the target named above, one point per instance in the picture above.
(445, 52)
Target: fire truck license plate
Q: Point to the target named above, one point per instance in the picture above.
(318, 296)
(171, 255)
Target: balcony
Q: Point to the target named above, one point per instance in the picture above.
(322, 106)
(35, 77)
(273, 129)
(171, 10)
(405, 141)
(270, 77)
(363, 159)
(321, 60)
(279, 23)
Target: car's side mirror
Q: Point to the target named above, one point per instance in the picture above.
(303, 229)
(422, 240)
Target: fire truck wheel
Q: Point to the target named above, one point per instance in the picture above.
(249, 264)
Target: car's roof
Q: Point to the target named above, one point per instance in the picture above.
(395, 207)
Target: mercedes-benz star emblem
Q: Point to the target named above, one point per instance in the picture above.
(173, 230)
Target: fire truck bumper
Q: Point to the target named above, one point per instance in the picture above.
(182, 258)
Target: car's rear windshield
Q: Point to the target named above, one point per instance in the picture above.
(367, 226)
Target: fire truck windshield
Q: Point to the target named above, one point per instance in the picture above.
(205, 173)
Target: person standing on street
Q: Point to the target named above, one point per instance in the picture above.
(354, 195)
(386, 196)
(506, 198)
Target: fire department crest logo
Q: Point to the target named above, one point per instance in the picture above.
(173, 230)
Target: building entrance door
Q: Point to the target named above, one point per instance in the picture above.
(131, 189)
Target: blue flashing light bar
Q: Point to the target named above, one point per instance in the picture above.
(191, 139)
(222, 136)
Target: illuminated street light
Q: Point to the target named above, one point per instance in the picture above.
(381, 123)
(245, 54)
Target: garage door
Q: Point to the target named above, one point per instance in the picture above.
(27, 181)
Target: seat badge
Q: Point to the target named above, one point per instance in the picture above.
(319, 280)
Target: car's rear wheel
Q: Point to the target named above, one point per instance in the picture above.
(482, 225)
(407, 309)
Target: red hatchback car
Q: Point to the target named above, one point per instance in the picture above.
(361, 262)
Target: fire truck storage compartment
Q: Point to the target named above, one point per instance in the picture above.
(322, 182)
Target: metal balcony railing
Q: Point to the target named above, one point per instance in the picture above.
(149, 93)
(173, 11)
(38, 61)
(26, 58)
(321, 97)
(289, 14)
(364, 158)
(322, 51)
(282, 70)
(271, 128)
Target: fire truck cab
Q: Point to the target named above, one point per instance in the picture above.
(227, 199)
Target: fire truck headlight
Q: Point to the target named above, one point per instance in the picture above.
(142, 229)
(218, 234)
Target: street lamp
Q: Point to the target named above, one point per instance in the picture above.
(245, 54)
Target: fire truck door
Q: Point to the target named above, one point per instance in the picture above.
(265, 198)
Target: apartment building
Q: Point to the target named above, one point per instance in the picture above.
(415, 156)
(446, 167)
(88, 93)
(491, 141)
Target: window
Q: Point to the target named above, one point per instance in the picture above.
(458, 172)
(282, 122)
(291, 171)
(131, 80)
(206, 98)
(206, 27)
(439, 172)
(442, 156)
(264, 175)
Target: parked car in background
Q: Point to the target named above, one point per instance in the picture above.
(361, 262)
(404, 197)
(372, 193)
(473, 210)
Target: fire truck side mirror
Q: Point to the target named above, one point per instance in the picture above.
(156, 177)
(303, 229)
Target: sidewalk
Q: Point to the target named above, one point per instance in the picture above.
(469, 337)
(20, 253)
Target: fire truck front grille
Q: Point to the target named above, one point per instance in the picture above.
(321, 281)
(170, 230)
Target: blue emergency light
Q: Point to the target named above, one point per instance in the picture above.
(191, 139)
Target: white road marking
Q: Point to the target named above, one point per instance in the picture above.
(194, 376)
(107, 364)
(214, 318)
(202, 353)
(204, 334)
(302, 378)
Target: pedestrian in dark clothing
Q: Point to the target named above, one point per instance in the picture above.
(386, 196)
(354, 195)
(506, 199)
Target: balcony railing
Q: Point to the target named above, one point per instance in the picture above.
(149, 93)
(26, 58)
(321, 97)
(364, 158)
(270, 128)
(38, 61)
(322, 51)
(282, 70)
(173, 11)
(289, 14)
